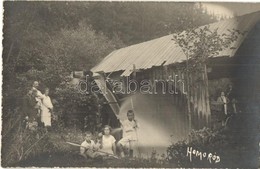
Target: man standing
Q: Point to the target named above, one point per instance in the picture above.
(129, 127)
(30, 109)
(232, 99)
(39, 96)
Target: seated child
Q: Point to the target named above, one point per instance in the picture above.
(88, 147)
(108, 141)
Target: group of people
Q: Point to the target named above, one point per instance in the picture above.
(38, 111)
(107, 144)
(228, 102)
(37, 107)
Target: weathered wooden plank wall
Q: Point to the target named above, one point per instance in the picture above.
(199, 96)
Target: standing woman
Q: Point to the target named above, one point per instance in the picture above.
(47, 108)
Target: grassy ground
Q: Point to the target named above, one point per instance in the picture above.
(65, 155)
(71, 159)
(236, 147)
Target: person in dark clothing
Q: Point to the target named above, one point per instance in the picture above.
(232, 100)
(30, 108)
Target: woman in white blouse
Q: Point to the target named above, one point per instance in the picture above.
(47, 108)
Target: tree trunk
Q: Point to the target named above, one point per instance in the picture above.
(188, 96)
(208, 113)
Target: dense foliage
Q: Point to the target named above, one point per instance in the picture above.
(234, 145)
(80, 111)
(142, 21)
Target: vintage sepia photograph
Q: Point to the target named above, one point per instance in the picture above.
(127, 84)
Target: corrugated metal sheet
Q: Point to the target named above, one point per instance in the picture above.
(164, 50)
(143, 55)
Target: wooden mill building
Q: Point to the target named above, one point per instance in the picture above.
(162, 59)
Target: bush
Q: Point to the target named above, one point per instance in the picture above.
(235, 146)
(77, 110)
(204, 140)
(19, 143)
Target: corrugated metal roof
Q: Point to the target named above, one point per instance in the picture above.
(143, 55)
(165, 51)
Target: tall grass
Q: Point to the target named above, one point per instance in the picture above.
(19, 143)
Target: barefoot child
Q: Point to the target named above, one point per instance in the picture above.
(129, 127)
